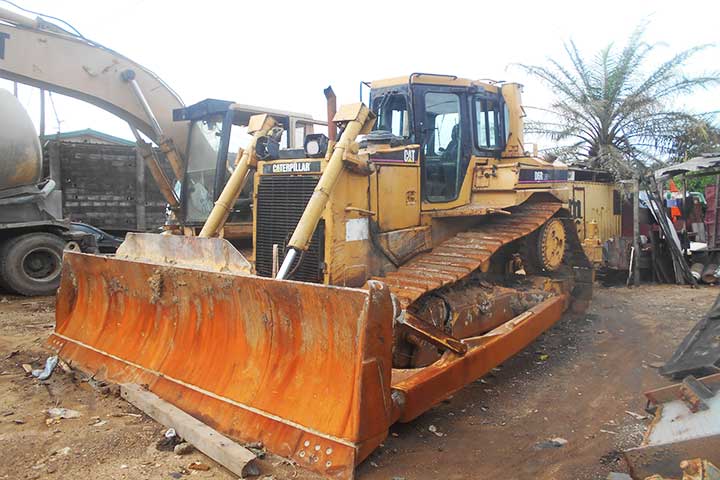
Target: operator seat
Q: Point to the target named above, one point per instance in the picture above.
(449, 163)
(451, 151)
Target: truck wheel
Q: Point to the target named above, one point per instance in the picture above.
(30, 264)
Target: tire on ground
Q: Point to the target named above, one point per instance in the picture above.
(4, 288)
(30, 264)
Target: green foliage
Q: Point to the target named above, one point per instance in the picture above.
(612, 112)
(696, 184)
(700, 137)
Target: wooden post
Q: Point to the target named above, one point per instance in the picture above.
(636, 233)
(714, 243)
(653, 257)
(56, 170)
(140, 214)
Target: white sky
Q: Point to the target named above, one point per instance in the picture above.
(281, 54)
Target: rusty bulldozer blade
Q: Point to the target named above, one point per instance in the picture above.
(304, 368)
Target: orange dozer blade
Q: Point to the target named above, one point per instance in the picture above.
(304, 368)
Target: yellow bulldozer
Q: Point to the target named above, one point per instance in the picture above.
(392, 264)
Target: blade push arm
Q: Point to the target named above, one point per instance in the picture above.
(258, 126)
(356, 118)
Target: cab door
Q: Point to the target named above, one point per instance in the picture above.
(442, 120)
(398, 184)
(398, 167)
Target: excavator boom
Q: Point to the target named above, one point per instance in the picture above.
(50, 58)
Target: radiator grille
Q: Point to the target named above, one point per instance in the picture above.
(281, 200)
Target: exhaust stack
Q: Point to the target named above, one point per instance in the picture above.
(331, 110)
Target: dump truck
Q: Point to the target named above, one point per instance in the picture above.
(390, 267)
(196, 140)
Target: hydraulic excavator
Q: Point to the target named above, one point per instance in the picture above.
(195, 140)
(391, 266)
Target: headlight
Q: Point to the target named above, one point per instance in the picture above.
(316, 145)
(267, 148)
(312, 147)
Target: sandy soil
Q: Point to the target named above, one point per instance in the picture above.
(576, 382)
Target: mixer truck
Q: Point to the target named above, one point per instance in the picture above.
(33, 234)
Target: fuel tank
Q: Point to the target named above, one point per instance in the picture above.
(20, 151)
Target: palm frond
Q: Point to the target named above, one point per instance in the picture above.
(614, 110)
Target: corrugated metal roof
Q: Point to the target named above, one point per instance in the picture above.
(90, 133)
(698, 164)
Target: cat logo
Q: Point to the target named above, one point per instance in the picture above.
(292, 167)
(296, 167)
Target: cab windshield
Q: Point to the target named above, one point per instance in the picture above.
(202, 160)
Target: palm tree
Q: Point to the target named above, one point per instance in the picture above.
(611, 111)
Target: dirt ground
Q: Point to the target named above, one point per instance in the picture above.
(577, 382)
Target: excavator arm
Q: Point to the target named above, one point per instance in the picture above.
(43, 55)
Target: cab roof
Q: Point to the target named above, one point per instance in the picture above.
(434, 79)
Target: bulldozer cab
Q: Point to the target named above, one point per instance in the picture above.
(218, 132)
(442, 151)
(449, 120)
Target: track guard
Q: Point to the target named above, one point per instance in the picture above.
(304, 368)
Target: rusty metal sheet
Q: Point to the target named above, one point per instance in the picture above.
(665, 459)
(694, 469)
(699, 352)
(699, 469)
(211, 254)
(678, 432)
(303, 368)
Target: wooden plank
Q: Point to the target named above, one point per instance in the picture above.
(672, 392)
(236, 458)
(665, 459)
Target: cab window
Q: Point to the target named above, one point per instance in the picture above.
(488, 123)
(392, 113)
(200, 176)
(442, 147)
